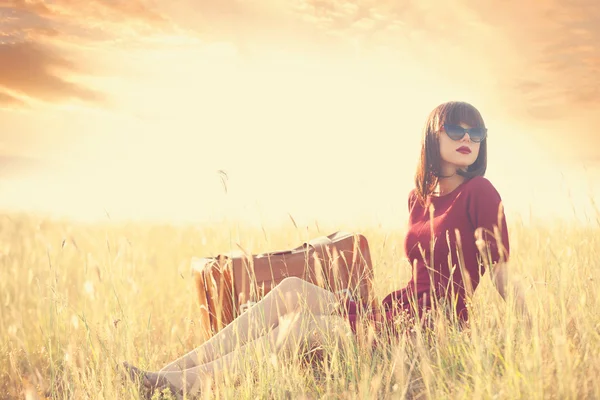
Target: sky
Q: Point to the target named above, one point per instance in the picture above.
(197, 110)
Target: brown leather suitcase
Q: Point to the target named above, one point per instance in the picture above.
(230, 283)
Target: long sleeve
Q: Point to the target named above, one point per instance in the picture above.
(486, 214)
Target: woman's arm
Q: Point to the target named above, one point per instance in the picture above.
(500, 278)
(486, 213)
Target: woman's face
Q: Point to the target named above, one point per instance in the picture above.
(457, 154)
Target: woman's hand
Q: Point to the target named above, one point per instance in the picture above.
(500, 278)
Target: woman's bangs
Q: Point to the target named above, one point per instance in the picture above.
(457, 113)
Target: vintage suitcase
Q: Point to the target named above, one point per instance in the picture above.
(228, 284)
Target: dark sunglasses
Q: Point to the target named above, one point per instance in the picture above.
(457, 132)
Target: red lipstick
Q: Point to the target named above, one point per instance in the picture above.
(464, 150)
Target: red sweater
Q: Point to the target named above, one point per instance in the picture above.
(474, 204)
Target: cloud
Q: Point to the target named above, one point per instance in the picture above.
(92, 9)
(34, 71)
(255, 27)
(8, 100)
(131, 9)
(39, 57)
(33, 7)
(542, 58)
(555, 65)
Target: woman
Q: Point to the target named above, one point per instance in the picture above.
(451, 201)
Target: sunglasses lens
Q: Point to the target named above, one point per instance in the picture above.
(454, 132)
(477, 134)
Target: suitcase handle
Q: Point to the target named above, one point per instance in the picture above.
(320, 241)
(314, 243)
(274, 253)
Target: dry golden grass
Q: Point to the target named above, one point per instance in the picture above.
(77, 299)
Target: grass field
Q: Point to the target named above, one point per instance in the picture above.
(77, 299)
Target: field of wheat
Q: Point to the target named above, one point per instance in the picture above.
(77, 299)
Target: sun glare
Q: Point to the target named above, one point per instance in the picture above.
(330, 140)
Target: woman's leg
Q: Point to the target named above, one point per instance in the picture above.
(292, 294)
(294, 331)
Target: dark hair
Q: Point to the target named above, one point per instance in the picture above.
(429, 167)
